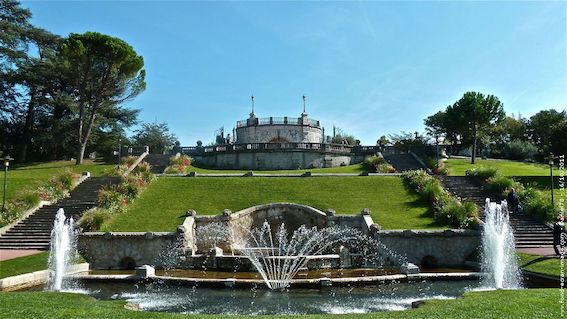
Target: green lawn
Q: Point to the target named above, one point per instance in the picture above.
(162, 205)
(22, 265)
(352, 169)
(517, 304)
(21, 176)
(539, 264)
(458, 166)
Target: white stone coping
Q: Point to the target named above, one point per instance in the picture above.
(35, 278)
(429, 233)
(314, 281)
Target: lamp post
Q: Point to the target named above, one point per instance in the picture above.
(437, 150)
(551, 157)
(7, 160)
(119, 150)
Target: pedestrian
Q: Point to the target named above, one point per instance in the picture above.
(558, 232)
(514, 202)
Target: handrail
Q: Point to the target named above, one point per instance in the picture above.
(277, 121)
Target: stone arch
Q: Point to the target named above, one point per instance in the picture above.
(127, 263)
(429, 261)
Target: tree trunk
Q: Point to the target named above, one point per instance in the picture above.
(84, 138)
(473, 157)
(28, 126)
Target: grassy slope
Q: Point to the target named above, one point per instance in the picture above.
(528, 303)
(458, 166)
(539, 264)
(161, 206)
(356, 169)
(22, 176)
(22, 265)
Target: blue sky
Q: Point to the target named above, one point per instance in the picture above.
(370, 68)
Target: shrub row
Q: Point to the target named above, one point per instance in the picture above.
(377, 164)
(448, 209)
(178, 164)
(533, 201)
(113, 199)
(54, 189)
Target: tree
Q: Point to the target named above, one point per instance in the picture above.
(102, 72)
(468, 120)
(156, 136)
(26, 75)
(548, 130)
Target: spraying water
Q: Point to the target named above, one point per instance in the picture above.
(62, 250)
(499, 255)
(279, 258)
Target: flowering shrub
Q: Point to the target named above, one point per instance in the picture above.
(113, 199)
(178, 164)
(532, 200)
(54, 189)
(94, 219)
(447, 208)
(376, 164)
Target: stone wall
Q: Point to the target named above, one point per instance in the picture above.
(442, 248)
(115, 250)
(279, 133)
(264, 160)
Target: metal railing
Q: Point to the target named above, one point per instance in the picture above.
(277, 121)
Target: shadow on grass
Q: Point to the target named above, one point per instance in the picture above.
(538, 182)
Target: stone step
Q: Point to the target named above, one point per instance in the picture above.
(24, 247)
(24, 240)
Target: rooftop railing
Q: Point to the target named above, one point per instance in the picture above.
(277, 121)
(250, 147)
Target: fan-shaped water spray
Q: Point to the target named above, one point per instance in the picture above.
(278, 258)
(499, 261)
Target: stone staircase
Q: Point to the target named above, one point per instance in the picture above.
(528, 232)
(158, 162)
(34, 232)
(402, 162)
(467, 188)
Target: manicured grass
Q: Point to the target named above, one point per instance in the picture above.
(162, 205)
(458, 166)
(22, 265)
(20, 177)
(352, 169)
(527, 303)
(540, 264)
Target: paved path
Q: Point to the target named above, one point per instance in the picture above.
(7, 254)
(541, 251)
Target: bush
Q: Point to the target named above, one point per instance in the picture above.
(499, 185)
(178, 164)
(482, 173)
(537, 205)
(66, 179)
(94, 219)
(110, 197)
(448, 209)
(520, 150)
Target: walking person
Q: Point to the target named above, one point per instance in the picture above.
(558, 232)
(514, 202)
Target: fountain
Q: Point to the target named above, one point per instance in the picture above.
(498, 250)
(62, 250)
(278, 258)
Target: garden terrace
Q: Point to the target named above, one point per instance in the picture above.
(162, 205)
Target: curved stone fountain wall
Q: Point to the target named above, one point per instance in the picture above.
(442, 248)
